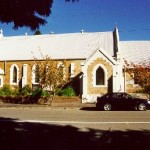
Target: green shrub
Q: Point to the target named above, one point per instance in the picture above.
(59, 92)
(1, 92)
(25, 91)
(37, 92)
(69, 92)
(45, 93)
(5, 90)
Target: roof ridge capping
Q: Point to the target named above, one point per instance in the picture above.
(51, 34)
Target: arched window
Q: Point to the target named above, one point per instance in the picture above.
(100, 76)
(14, 74)
(37, 74)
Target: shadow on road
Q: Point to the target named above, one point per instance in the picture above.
(36, 136)
(98, 109)
(89, 109)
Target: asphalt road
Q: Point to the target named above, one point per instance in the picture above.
(80, 117)
(73, 129)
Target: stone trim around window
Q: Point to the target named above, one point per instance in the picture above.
(94, 75)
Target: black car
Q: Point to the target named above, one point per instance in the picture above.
(119, 100)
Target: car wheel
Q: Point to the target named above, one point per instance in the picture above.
(107, 107)
(142, 107)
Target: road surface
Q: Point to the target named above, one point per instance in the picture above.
(73, 129)
(80, 118)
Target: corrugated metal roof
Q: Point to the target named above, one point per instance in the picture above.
(135, 51)
(56, 46)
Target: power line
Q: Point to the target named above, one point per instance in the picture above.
(134, 30)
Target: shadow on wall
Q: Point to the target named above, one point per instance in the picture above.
(75, 83)
(35, 136)
(110, 85)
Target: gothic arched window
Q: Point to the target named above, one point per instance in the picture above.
(14, 74)
(14, 79)
(100, 76)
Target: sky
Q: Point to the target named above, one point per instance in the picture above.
(132, 17)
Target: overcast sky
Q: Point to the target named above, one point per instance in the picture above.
(131, 16)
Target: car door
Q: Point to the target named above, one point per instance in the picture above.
(109, 98)
(129, 101)
(114, 100)
(126, 101)
(120, 100)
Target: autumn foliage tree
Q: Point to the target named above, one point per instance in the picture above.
(141, 74)
(51, 73)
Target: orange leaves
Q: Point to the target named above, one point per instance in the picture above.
(141, 74)
(51, 73)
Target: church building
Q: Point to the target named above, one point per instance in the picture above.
(94, 60)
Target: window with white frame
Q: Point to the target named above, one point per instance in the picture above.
(14, 74)
(99, 75)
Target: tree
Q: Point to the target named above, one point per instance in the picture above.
(141, 74)
(51, 73)
(29, 13)
(37, 32)
(72, 0)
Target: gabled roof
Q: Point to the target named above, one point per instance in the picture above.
(135, 51)
(104, 54)
(56, 46)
